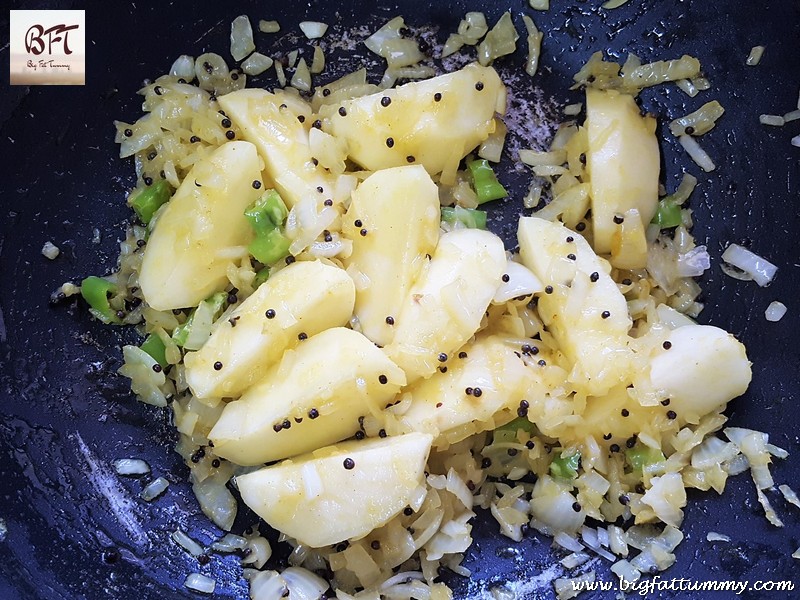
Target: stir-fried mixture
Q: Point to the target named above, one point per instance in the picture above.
(344, 346)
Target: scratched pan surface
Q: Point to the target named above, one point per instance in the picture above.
(66, 415)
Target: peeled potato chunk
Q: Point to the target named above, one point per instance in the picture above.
(188, 252)
(623, 163)
(340, 492)
(305, 297)
(312, 398)
(448, 302)
(434, 123)
(581, 305)
(398, 212)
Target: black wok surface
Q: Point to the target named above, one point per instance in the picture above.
(76, 530)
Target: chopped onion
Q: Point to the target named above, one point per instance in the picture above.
(472, 28)
(183, 67)
(568, 542)
(775, 311)
(793, 115)
(693, 263)
(696, 153)
(713, 536)
(770, 513)
(611, 4)
(539, 4)
(616, 540)
(534, 46)
(760, 269)
(229, 543)
(302, 77)
(200, 583)
(131, 466)
(773, 120)
(756, 52)
(154, 489)
(789, 494)
(50, 250)
(796, 553)
(500, 41)
(572, 110)
(313, 29)
(256, 64)
(626, 571)
(268, 26)
(241, 38)
(187, 543)
(259, 552)
(318, 61)
(796, 141)
(701, 121)
(575, 559)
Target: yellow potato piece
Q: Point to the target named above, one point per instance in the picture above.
(398, 211)
(312, 398)
(188, 252)
(342, 492)
(306, 297)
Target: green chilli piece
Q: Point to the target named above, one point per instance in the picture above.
(267, 213)
(210, 308)
(266, 217)
(270, 248)
(470, 218)
(668, 213)
(640, 457)
(261, 277)
(565, 467)
(485, 181)
(155, 347)
(147, 200)
(96, 290)
(517, 424)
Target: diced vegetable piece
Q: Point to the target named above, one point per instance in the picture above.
(668, 213)
(485, 181)
(261, 277)
(699, 122)
(241, 38)
(582, 306)
(312, 398)
(469, 218)
(340, 492)
(440, 406)
(702, 369)
(500, 41)
(194, 332)
(146, 201)
(534, 40)
(398, 211)
(434, 123)
(272, 121)
(641, 456)
(155, 347)
(446, 305)
(186, 260)
(565, 466)
(623, 162)
(269, 248)
(95, 290)
(304, 297)
(267, 213)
